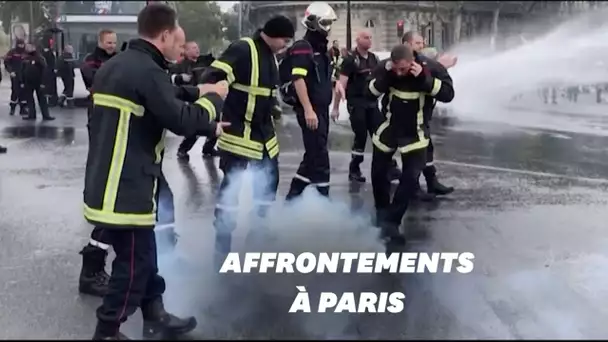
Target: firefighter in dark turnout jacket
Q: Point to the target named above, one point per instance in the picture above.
(189, 71)
(65, 70)
(12, 64)
(311, 74)
(249, 65)
(50, 77)
(33, 70)
(134, 105)
(365, 117)
(408, 86)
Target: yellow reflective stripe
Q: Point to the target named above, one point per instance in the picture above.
(257, 91)
(299, 72)
(253, 82)
(236, 140)
(119, 103)
(154, 188)
(119, 153)
(422, 142)
(273, 152)
(208, 106)
(160, 147)
(226, 68)
(404, 95)
(237, 150)
(436, 87)
(376, 137)
(272, 142)
(372, 88)
(120, 219)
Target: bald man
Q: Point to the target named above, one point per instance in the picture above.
(439, 71)
(365, 117)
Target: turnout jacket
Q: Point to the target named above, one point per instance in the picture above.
(65, 65)
(92, 62)
(33, 68)
(133, 105)
(250, 67)
(404, 128)
(193, 68)
(437, 70)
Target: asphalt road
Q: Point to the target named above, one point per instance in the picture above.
(530, 204)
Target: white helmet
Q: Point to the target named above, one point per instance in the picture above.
(319, 16)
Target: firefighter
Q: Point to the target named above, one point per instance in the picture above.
(250, 67)
(311, 73)
(50, 76)
(365, 117)
(106, 49)
(65, 69)
(408, 85)
(12, 64)
(189, 71)
(134, 105)
(33, 70)
(434, 187)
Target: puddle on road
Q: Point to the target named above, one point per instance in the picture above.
(65, 134)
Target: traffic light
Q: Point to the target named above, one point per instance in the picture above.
(400, 29)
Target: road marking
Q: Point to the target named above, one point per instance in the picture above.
(15, 142)
(523, 172)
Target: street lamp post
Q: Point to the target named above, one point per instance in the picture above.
(348, 27)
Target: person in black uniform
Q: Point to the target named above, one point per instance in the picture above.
(434, 188)
(365, 117)
(65, 69)
(134, 105)
(93, 278)
(250, 67)
(311, 74)
(189, 71)
(33, 71)
(408, 86)
(12, 64)
(50, 77)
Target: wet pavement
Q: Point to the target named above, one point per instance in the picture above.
(530, 204)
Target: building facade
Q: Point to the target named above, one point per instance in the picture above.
(438, 21)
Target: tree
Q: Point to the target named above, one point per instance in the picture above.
(230, 23)
(202, 22)
(495, 19)
(20, 10)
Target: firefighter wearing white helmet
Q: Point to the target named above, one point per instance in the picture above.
(306, 75)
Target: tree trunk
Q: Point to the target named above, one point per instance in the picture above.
(457, 25)
(495, 18)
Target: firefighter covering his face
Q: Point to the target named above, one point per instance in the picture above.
(365, 117)
(189, 71)
(310, 72)
(65, 70)
(12, 64)
(407, 85)
(33, 71)
(250, 66)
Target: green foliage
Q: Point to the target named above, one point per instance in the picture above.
(20, 10)
(202, 22)
(230, 22)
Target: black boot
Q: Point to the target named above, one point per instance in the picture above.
(93, 277)
(182, 156)
(23, 110)
(423, 196)
(3, 149)
(209, 154)
(12, 110)
(434, 187)
(389, 231)
(354, 172)
(160, 325)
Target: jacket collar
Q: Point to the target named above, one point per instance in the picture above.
(151, 50)
(258, 38)
(101, 52)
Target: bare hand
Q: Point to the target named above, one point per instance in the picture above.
(219, 129)
(415, 69)
(447, 61)
(335, 113)
(186, 77)
(312, 122)
(221, 88)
